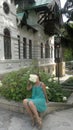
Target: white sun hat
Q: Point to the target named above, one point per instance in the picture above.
(33, 78)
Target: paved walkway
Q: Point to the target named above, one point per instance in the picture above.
(62, 79)
(60, 120)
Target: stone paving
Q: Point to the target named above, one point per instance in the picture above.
(62, 79)
(58, 120)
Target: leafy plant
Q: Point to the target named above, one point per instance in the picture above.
(68, 55)
(14, 85)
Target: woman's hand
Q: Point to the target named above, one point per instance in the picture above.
(29, 85)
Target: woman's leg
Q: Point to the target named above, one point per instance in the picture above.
(34, 110)
(27, 107)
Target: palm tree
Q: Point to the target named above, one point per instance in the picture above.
(67, 29)
(68, 10)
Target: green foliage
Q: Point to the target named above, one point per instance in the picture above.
(55, 92)
(14, 85)
(68, 55)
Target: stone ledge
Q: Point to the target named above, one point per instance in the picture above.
(18, 106)
(56, 106)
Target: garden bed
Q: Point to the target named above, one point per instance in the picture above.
(13, 90)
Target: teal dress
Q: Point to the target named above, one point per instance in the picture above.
(38, 98)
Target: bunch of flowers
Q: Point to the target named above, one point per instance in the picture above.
(64, 98)
(33, 78)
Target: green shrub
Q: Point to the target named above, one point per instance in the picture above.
(14, 85)
(68, 54)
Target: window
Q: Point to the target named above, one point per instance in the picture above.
(6, 8)
(30, 49)
(51, 52)
(47, 50)
(19, 45)
(24, 48)
(7, 44)
(41, 50)
(11, 1)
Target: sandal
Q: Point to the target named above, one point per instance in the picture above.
(39, 121)
(33, 122)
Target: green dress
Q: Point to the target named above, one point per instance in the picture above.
(38, 98)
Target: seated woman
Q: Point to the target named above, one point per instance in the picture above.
(37, 103)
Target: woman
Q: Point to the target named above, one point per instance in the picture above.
(37, 103)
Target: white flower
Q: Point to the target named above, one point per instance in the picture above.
(0, 84)
(47, 87)
(64, 98)
(33, 78)
(50, 79)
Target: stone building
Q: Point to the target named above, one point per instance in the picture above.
(27, 29)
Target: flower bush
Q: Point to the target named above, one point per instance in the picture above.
(13, 86)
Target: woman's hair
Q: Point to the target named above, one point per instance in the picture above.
(39, 76)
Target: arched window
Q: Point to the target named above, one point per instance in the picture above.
(30, 49)
(19, 47)
(7, 44)
(51, 52)
(6, 8)
(11, 1)
(41, 50)
(24, 48)
(47, 50)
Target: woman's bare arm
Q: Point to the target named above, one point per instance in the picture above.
(29, 86)
(44, 90)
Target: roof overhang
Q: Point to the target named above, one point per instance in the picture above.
(21, 20)
(40, 5)
(50, 14)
